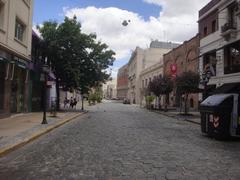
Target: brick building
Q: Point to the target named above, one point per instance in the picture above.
(184, 58)
(122, 82)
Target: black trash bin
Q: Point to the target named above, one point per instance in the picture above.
(216, 115)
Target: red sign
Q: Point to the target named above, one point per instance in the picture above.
(173, 68)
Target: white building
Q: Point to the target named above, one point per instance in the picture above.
(110, 89)
(142, 59)
(147, 75)
(219, 28)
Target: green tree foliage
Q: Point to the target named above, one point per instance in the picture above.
(78, 60)
(149, 100)
(161, 85)
(187, 83)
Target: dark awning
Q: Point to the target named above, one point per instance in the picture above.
(228, 88)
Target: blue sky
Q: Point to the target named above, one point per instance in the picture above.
(53, 9)
(163, 20)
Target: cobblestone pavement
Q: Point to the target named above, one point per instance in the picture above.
(122, 142)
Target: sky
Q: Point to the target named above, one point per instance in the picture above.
(163, 20)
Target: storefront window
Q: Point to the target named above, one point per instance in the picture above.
(2, 79)
(232, 58)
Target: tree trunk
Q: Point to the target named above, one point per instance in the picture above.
(58, 94)
(159, 102)
(82, 103)
(166, 102)
(185, 103)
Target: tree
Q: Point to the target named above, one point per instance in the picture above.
(62, 47)
(77, 59)
(161, 85)
(187, 83)
(167, 87)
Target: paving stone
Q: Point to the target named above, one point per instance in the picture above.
(123, 142)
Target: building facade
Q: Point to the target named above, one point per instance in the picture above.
(122, 82)
(146, 76)
(184, 58)
(15, 55)
(140, 60)
(110, 89)
(219, 28)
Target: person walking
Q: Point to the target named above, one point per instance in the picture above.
(65, 102)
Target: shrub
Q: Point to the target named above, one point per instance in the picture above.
(149, 100)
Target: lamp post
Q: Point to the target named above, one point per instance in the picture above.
(205, 79)
(45, 70)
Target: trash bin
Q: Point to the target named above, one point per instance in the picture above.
(216, 115)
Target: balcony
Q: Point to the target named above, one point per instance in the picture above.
(228, 31)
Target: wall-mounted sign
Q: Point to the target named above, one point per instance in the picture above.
(173, 68)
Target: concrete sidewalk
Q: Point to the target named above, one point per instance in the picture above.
(20, 129)
(194, 117)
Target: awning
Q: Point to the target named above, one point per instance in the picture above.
(228, 88)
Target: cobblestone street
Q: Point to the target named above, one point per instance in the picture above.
(117, 142)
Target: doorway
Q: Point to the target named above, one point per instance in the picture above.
(17, 90)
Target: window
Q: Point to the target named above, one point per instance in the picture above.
(209, 63)
(232, 17)
(214, 24)
(205, 31)
(142, 83)
(232, 58)
(19, 30)
(1, 15)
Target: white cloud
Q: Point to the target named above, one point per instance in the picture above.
(176, 22)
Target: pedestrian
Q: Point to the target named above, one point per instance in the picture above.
(71, 102)
(65, 102)
(75, 103)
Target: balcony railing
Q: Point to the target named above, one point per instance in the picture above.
(228, 31)
(228, 26)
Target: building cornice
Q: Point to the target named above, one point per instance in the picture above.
(15, 52)
(151, 68)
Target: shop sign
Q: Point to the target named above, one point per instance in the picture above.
(20, 62)
(173, 68)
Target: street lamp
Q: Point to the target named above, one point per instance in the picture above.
(204, 81)
(45, 70)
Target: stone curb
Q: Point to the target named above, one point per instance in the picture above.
(174, 116)
(34, 136)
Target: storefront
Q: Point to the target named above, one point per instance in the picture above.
(2, 82)
(14, 85)
(17, 89)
